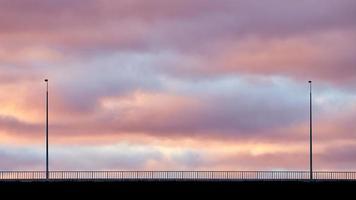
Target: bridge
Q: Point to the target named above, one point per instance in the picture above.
(176, 175)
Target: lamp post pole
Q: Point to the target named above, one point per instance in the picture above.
(47, 168)
(311, 130)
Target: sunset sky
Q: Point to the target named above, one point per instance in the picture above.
(177, 84)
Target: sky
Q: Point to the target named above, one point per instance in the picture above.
(178, 84)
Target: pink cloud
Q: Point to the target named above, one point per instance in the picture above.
(201, 71)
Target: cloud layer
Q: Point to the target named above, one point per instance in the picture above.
(160, 81)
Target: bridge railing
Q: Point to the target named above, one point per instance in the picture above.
(176, 175)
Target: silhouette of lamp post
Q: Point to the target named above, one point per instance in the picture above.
(47, 168)
(311, 131)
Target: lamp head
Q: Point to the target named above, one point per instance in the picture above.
(310, 81)
(46, 80)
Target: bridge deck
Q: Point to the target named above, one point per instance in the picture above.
(176, 175)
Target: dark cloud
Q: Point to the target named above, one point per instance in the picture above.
(338, 156)
(85, 84)
(10, 124)
(241, 111)
(160, 23)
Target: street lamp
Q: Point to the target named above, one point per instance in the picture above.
(311, 131)
(47, 169)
